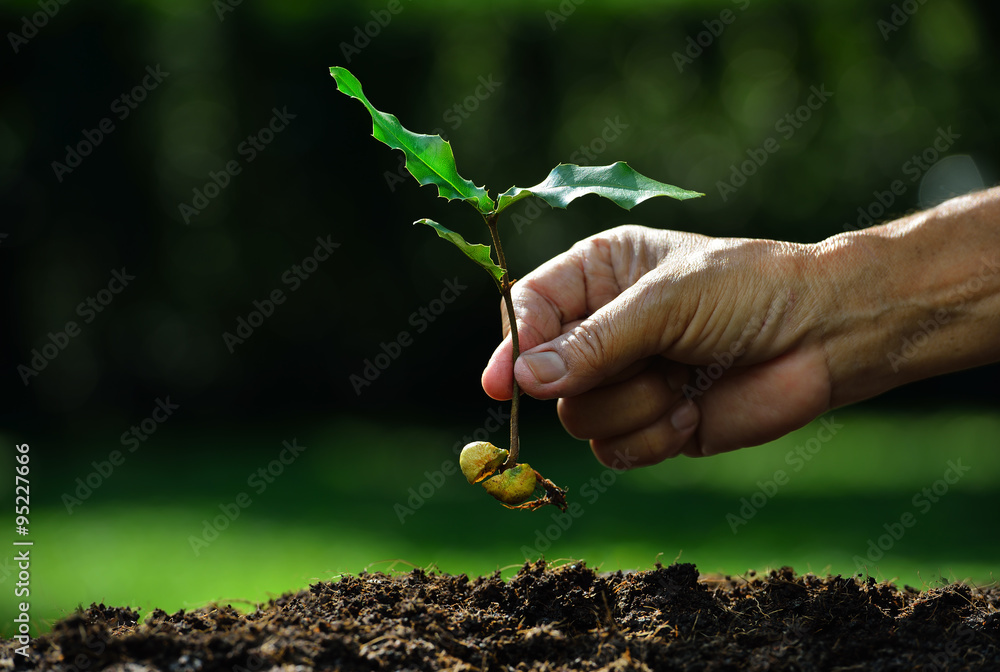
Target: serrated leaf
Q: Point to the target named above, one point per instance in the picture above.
(617, 182)
(479, 253)
(429, 158)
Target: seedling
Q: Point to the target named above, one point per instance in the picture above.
(430, 160)
(481, 463)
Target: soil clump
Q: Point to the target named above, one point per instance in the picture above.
(548, 618)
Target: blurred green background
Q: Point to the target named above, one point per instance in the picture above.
(676, 88)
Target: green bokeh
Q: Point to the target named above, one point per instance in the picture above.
(614, 81)
(610, 80)
(345, 506)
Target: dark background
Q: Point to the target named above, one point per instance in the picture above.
(324, 175)
(127, 539)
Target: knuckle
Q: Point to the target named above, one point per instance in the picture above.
(587, 346)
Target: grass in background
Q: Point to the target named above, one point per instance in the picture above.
(336, 509)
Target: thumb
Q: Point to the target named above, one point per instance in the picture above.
(621, 332)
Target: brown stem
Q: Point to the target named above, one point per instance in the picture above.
(505, 285)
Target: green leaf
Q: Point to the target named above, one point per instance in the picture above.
(617, 182)
(481, 254)
(428, 157)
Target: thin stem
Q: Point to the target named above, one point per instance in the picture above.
(505, 285)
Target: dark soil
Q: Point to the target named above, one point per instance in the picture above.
(565, 618)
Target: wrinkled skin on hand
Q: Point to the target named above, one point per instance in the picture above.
(619, 325)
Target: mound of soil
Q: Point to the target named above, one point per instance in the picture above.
(565, 618)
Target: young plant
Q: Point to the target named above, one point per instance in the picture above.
(430, 160)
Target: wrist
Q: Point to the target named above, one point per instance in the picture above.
(910, 299)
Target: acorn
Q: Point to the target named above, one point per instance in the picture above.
(480, 460)
(514, 486)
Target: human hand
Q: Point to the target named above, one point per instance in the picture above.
(660, 343)
(625, 323)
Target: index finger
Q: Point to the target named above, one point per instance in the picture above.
(569, 288)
